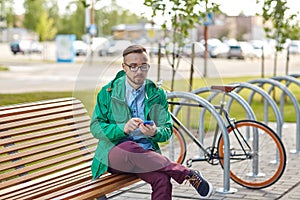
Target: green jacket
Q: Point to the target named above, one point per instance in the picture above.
(111, 114)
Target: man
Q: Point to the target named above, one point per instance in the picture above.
(126, 144)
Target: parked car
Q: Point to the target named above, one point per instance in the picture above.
(218, 51)
(117, 46)
(26, 47)
(235, 51)
(154, 50)
(241, 50)
(247, 50)
(261, 47)
(80, 48)
(100, 45)
(198, 50)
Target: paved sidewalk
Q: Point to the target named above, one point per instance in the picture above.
(287, 188)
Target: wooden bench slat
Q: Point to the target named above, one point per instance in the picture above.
(22, 105)
(46, 163)
(39, 113)
(46, 188)
(39, 107)
(45, 148)
(45, 179)
(46, 185)
(45, 171)
(41, 134)
(91, 189)
(37, 120)
(55, 152)
(39, 127)
(99, 191)
(43, 141)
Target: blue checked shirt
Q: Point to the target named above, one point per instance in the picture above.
(135, 100)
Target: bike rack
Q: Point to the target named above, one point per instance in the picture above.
(295, 75)
(267, 99)
(233, 95)
(275, 81)
(203, 102)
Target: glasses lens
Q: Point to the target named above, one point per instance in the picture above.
(144, 67)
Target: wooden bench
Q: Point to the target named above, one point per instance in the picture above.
(46, 150)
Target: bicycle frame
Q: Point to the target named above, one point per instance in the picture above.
(210, 155)
(241, 149)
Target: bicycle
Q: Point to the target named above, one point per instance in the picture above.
(250, 157)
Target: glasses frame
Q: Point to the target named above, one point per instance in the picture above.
(136, 68)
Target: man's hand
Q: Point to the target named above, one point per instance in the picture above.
(132, 124)
(149, 130)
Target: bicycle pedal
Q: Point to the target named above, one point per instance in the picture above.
(189, 162)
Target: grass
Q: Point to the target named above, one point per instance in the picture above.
(3, 68)
(8, 99)
(88, 99)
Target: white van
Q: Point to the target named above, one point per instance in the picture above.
(100, 45)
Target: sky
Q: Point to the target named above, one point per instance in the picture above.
(230, 7)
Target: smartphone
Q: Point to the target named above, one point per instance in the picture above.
(148, 122)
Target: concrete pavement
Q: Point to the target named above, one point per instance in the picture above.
(287, 188)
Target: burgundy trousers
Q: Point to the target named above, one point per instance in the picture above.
(152, 167)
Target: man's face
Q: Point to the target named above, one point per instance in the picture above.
(136, 79)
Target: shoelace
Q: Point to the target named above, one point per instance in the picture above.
(195, 180)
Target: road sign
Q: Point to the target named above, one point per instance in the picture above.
(92, 29)
(208, 21)
(64, 48)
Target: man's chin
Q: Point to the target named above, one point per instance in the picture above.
(139, 81)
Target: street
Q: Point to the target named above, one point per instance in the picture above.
(41, 72)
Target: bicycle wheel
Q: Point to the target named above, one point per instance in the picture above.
(254, 165)
(175, 147)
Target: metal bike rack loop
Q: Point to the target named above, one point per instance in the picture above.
(289, 80)
(295, 75)
(267, 98)
(233, 95)
(250, 115)
(203, 102)
(292, 98)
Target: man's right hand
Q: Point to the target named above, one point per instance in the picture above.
(132, 125)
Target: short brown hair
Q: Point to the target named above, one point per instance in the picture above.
(134, 49)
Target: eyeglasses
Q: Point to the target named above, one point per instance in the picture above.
(144, 67)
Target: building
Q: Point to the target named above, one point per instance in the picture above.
(143, 32)
(237, 27)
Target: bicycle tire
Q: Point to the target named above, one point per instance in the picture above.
(175, 148)
(270, 147)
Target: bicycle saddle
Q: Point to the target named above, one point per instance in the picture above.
(225, 88)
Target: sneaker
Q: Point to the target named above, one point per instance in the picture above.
(203, 187)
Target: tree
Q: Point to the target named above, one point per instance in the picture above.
(6, 13)
(33, 12)
(45, 27)
(110, 16)
(283, 26)
(184, 15)
(73, 21)
(41, 16)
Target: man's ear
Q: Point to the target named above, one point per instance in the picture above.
(123, 66)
